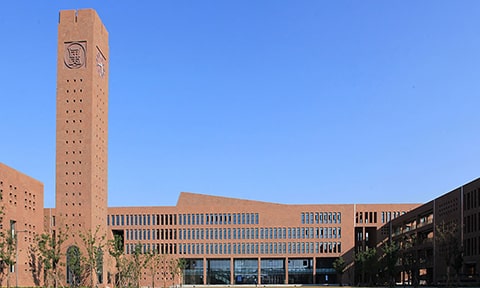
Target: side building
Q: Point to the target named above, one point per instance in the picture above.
(21, 221)
(439, 241)
(233, 241)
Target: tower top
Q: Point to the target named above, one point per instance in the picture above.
(80, 16)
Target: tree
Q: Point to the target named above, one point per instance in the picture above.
(50, 250)
(339, 265)
(8, 245)
(390, 256)
(75, 269)
(35, 264)
(138, 262)
(450, 248)
(177, 266)
(116, 250)
(93, 259)
(366, 261)
(409, 258)
(154, 263)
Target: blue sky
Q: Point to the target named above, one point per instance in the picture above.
(280, 101)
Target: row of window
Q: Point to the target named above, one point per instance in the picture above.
(371, 217)
(261, 248)
(184, 219)
(142, 219)
(321, 217)
(237, 248)
(234, 233)
(219, 219)
(151, 234)
(260, 233)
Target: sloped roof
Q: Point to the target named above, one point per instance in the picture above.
(193, 199)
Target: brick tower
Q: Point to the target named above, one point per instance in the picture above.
(82, 126)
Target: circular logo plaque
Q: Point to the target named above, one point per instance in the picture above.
(74, 55)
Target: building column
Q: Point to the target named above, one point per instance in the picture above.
(205, 267)
(314, 270)
(259, 271)
(232, 271)
(286, 270)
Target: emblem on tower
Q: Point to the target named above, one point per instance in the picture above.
(75, 55)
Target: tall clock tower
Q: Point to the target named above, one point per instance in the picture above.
(82, 126)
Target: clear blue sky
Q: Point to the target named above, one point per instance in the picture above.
(281, 101)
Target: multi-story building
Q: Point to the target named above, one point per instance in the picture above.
(221, 240)
(442, 237)
(21, 218)
(234, 241)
